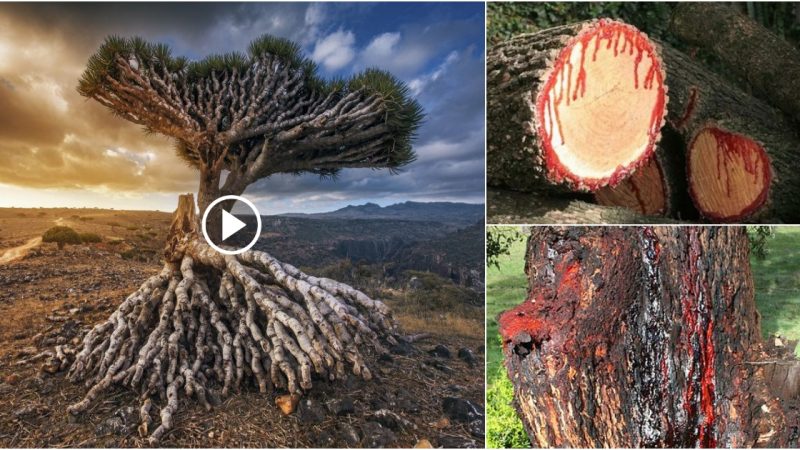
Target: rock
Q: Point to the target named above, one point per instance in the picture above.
(28, 351)
(440, 351)
(466, 355)
(442, 423)
(349, 435)
(423, 443)
(311, 411)
(287, 403)
(385, 357)
(27, 411)
(11, 379)
(403, 348)
(344, 407)
(415, 283)
(324, 440)
(477, 428)
(377, 436)
(457, 442)
(391, 420)
(462, 410)
(121, 423)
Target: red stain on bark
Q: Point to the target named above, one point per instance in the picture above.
(530, 318)
(611, 32)
(698, 321)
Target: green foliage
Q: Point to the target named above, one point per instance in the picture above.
(776, 277)
(499, 241)
(61, 236)
(403, 113)
(504, 429)
(90, 238)
(506, 287)
(759, 236)
(505, 20)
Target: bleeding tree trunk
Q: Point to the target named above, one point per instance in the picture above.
(640, 336)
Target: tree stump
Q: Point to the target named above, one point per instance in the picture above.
(640, 337)
(580, 104)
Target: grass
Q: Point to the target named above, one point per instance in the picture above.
(506, 287)
(777, 289)
(777, 284)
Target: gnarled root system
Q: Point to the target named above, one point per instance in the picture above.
(210, 324)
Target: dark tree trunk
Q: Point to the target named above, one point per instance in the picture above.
(699, 99)
(207, 193)
(769, 63)
(640, 336)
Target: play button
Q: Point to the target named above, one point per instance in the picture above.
(230, 224)
(224, 229)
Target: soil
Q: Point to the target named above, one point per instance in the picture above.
(50, 296)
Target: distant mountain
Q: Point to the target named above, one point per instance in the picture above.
(458, 214)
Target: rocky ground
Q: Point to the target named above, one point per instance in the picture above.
(428, 393)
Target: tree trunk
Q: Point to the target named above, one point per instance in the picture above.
(209, 324)
(769, 63)
(754, 177)
(206, 194)
(640, 336)
(555, 97)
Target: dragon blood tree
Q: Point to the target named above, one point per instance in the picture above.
(210, 323)
(642, 337)
(580, 105)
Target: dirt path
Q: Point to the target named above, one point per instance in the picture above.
(15, 253)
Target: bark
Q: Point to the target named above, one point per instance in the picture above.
(659, 188)
(640, 336)
(504, 206)
(522, 71)
(768, 62)
(700, 99)
(210, 324)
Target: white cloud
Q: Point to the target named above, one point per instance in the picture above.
(381, 47)
(335, 50)
(417, 85)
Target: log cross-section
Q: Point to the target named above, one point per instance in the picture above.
(581, 105)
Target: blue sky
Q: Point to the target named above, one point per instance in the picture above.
(436, 48)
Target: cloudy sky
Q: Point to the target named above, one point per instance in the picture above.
(59, 149)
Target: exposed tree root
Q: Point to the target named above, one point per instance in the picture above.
(215, 323)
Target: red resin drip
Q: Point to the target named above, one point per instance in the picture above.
(610, 31)
(529, 316)
(690, 105)
(756, 163)
(698, 333)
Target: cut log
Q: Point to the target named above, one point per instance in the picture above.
(658, 188)
(769, 63)
(640, 337)
(730, 174)
(742, 153)
(579, 104)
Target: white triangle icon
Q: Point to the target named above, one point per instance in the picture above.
(230, 224)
